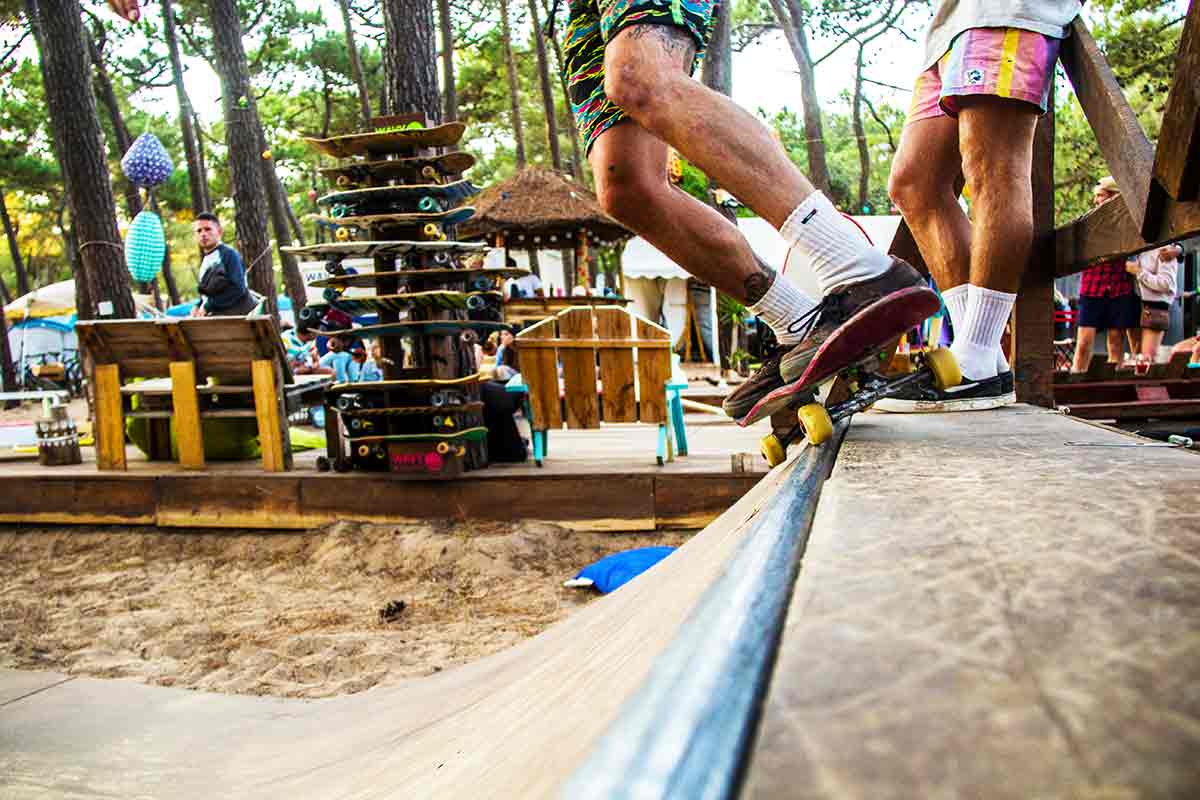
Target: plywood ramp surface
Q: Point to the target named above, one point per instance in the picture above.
(513, 725)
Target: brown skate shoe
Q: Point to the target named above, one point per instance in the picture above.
(765, 380)
(837, 307)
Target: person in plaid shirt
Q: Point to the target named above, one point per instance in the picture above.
(1107, 301)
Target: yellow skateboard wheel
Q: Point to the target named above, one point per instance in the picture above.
(342, 234)
(773, 450)
(818, 427)
(944, 368)
(443, 448)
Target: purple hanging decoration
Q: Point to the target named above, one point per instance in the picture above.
(146, 163)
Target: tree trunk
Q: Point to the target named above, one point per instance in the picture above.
(8, 371)
(79, 143)
(202, 160)
(191, 144)
(547, 92)
(360, 80)
(293, 281)
(244, 138)
(576, 146)
(10, 233)
(449, 89)
(168, 275)
(860, 136)
(108, 97)
(409, 59)
(717, 74)
(792, 21)
(514, 98)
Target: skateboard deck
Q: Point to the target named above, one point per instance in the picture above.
(859, 342)
(443, 327)
(467, 435)
(434, 300)
(445, 193)
(397, 247)
(387, 142)
(425, 168)
(368, 279)
(407, 383)
(473, 406)
(452, 217)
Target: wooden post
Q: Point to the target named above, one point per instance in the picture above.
(270, 421)
(110, 418)
(581, 262)
(186, 411)
(1033, 315)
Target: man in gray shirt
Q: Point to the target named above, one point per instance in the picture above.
(988, 69)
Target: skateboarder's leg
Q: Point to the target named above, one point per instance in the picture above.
(996, 139)
(646, 75)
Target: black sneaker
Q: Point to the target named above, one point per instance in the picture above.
(765, 380)
(967, 396)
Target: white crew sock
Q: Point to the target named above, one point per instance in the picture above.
(837, 250)
(978, 340)
(782, 305)
(956, 306)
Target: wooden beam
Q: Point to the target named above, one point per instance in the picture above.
(186, 405)
(1103, 233)
(177, 343)
(1126, 150)
(1033, 315)
(110, 418)
(1177, 162)
(903, 244)
(272, 428)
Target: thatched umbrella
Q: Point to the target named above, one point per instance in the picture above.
(540, 209)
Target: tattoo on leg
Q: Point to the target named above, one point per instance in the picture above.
(675, 41)
(757, 284)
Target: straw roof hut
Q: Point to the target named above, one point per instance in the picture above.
(541, 209)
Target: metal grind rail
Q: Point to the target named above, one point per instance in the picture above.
(688, 730)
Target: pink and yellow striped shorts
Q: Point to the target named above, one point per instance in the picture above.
(1004, 62)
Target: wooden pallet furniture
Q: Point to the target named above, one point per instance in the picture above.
(1107, 391)
(615, 365)
(204, 356)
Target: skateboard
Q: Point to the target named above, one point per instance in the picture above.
(375, 451)
(339, 250)
(425, 198)
(368, 279)
(442, 218)
(388, 142)
(430, 301)
(372, 173)
(469, 329)
(407, 383)
(465, 407)
(856, 354)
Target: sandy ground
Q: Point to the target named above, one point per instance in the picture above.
(287, 614)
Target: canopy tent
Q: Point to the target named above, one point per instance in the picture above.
(58, 300)
(38, 339)
(659, 289)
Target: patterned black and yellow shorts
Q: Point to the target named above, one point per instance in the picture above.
(592, 24)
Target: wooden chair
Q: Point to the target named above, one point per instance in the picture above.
(634, 385)
(243, 355)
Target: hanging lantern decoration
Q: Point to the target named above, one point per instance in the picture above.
(146, 163)
(145, 247)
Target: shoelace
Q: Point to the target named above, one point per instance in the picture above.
(804, 324)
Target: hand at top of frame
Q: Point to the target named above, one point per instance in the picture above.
(126, 9)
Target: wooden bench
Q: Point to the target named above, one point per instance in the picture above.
(241, 355)
(1107, 391)
(615, 365)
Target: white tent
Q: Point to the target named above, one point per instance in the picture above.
(658, 286)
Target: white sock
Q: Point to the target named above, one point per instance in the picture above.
(837, 250)
(978, 340)
(782, 305)
(956, 306)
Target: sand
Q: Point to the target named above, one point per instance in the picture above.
(287, 614)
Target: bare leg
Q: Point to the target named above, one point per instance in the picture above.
(922, 185)
(630, 166)
(1085, 343)
(1134, 337)
(996, 138)
(1116, 345)
(1150, 342)
(646, 75)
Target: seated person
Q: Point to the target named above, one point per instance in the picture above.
(300, 344)
(339, 360)
(507, 363)
(526, 286)
(485, 355)
(369, 369)
(505, 444)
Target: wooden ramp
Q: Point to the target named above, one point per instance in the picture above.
(1038, 640)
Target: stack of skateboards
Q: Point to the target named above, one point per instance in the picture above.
(397, 200)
